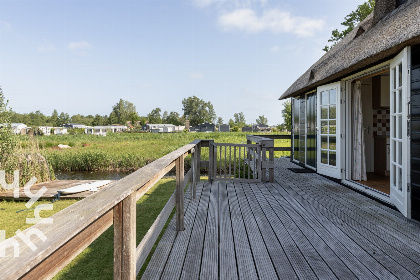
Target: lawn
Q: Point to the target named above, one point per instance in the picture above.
(125, 151)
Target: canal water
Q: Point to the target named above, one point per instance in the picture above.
(85, 175)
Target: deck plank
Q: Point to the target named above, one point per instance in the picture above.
(176, 258)
(244, 258)
(287, 259)
(210, 261)
(192, 263)
(316, 251)
(260, 253)
(227, 259)
(371, 227)
(158, 260)
(301, 226)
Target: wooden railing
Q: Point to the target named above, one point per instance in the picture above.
(267, 145)
(44, 249)
(235, 162)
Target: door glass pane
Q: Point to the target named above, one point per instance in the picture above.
(324, 112)
(394, 126)
(399, 152)
(333, 96)
(324, 157)
(394, 147)
(333, 159)
(394, 101)
(324, 98)
(400, 75)
(324, 142)
(332, 127)
(332, 145)
(394, 179)
(394, 78)
(399, 136)
(399, 102)
(399, 178)
(324, 127)
(332, 112)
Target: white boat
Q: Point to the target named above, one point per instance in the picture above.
(93, 187)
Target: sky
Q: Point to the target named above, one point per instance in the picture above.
(82, 56)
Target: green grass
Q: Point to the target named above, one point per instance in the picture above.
(96, 261)
(125, 152)
(10, 221)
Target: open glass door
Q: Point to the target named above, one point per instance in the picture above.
(400, 142)
(328, 122)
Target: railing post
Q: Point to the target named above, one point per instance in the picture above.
(198, 163)
(179, 195)
(125, 238)
(263, 169)
(194, 176)
(271, 159)
(212, 162)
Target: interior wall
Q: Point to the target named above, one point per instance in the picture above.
(368, 123)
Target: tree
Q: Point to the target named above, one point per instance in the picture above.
(231, 123)
(350, 22)
(7, 139)
(198, 111)
(262, 120)
(239, 119)
(63, 118)
(174, 118)
(122, 112)
(54, 118)
(286, 113)
(165, 117)
(219, 120)
(154, 116)
(99, 120)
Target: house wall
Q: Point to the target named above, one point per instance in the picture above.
(415, 132)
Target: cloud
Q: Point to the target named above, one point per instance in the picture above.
(196, 75)
(46, 48)
(5, 26)
(146, 86)
(274, 49)
(79, 47)
(273, 20)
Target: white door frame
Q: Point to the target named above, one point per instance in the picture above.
(400, 139)
(324, 131)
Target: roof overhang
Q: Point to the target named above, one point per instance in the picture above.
(365, 46)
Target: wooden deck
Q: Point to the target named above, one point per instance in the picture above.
(303, 226)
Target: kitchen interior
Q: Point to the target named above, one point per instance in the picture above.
(375, 99)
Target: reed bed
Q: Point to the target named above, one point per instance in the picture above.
(125, 151)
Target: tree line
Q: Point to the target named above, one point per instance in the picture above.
(196, 110)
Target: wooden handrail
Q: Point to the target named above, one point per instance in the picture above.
(77, 226)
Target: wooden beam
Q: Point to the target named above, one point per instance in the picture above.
(125, 239)
(140, 192)
(51, 265)
(179, 193)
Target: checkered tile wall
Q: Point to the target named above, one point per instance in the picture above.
(381, 122)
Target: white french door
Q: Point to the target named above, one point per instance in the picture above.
(400, 141)
(329, 130)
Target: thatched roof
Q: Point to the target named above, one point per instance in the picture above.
(366, 45)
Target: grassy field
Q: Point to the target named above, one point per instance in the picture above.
(10, 221)
(96, 261)
(124, 152)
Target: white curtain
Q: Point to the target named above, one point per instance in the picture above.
(359, 158)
